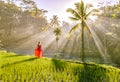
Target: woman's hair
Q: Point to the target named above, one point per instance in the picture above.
(39, 42)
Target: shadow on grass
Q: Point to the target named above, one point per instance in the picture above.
(26, 60)
(90, 73)
(84, 72)
(58, 64)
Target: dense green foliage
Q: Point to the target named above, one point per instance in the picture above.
(110, 10)
(18, 23)
(17, 68)
(109, 20)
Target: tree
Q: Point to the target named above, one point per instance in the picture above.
(57, 32)
(81, 14)
(14, 22)
(38, 12)
(54, 21)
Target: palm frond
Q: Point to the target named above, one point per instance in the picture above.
(87, 7)
(74, 28)
(69, 37)
(74, 13)
(74, 19)
(82, 5)
(69, 10)
(57, 31)
(77, 5)
(87, 27)
(93, 10)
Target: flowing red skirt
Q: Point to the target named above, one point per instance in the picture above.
(38, 53)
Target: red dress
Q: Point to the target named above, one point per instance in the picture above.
(38, 51)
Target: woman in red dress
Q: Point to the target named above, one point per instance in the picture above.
(38, 50)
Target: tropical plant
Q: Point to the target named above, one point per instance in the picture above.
(54, 21)
(57, 32)
(81, 14)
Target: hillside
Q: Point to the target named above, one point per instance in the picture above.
(18, 68)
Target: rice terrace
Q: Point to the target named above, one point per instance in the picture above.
(59, 41)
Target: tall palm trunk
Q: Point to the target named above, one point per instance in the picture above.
(57, 44)
(83, 54)
(57, 47)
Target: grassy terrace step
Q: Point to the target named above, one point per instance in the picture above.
(17, 68)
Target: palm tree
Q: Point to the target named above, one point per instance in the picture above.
(81, 14)
(57, 32)
(54, 21)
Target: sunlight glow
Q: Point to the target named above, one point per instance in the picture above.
(66, 15)
(61, 12)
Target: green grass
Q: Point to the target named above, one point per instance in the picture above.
(17, 68)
